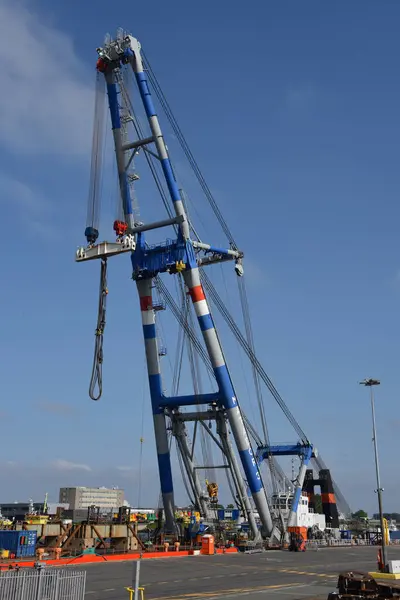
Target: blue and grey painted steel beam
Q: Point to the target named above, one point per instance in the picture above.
(228, 397)
(192, 280)
(239, 482)
(145, 94)
(306, 457)
(112, 92)
(155, 382)
(285, 450)
(234, 254)
(179, 431)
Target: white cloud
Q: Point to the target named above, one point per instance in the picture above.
(46, 102)
(66, 465)
(21, 197)
(31, 207)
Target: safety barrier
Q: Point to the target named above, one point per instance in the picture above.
(313, 544)
(42, 584)
(327, 543)
(94, 558)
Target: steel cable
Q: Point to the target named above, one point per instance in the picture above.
(243, 342)
(97, 371)
(149, 158)
(96, 170)
(340, 499)
(247, 347)
(250, 341)
(181, 138)
(246, 344)
(176, 311)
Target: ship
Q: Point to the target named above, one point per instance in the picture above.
(281, 506)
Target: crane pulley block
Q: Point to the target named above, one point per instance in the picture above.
(120, 228)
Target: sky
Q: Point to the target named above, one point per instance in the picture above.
(291, 109)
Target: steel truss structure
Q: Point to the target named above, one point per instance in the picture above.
(181, 256)
(184, 256)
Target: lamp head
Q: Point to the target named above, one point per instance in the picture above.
(370, 382)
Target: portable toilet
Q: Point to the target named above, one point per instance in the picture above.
(207, 544)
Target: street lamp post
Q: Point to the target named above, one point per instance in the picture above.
(370, 383)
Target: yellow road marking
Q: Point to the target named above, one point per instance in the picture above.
(227, 592)
(304, 573)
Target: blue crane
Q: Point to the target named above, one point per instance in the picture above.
(185, 256)
(305, 451)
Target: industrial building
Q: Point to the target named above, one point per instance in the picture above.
(85, 497)
(17, 510)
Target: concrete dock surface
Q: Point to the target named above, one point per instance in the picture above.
(279, 575)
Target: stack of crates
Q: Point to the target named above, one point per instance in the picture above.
(18, 543)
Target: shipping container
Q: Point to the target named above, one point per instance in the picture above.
(19, 543)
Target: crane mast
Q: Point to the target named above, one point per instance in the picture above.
(180, 256)
(184, 256)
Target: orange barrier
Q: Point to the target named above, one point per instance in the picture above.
(94, 558)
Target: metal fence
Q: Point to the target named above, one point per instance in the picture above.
(332, 543)
(43, 584)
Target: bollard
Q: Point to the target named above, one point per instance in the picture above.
(131, 592)
(166, 546)
(39, 553)
(177, 545)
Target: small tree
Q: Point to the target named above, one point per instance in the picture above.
(360, 514)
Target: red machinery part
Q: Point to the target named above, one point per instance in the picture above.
(120, 227)
(101, 65)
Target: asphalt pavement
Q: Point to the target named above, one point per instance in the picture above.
(279, 575)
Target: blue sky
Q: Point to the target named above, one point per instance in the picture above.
(292, 112)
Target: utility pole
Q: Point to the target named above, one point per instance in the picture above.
(371, 383)
(136, 583)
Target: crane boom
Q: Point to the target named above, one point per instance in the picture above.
(180, 256)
